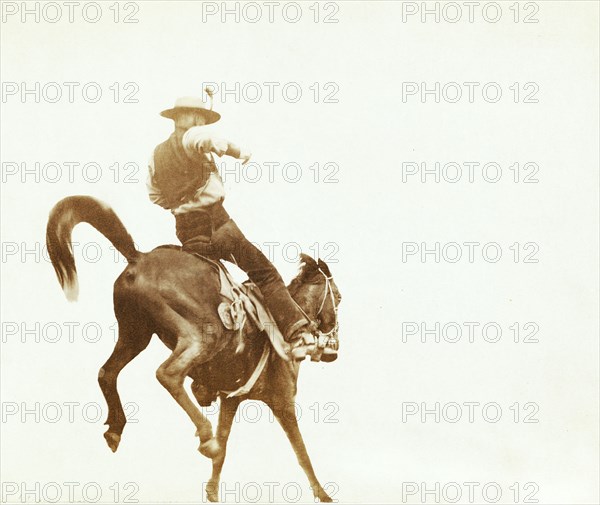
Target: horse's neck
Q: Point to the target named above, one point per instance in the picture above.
(309, 306)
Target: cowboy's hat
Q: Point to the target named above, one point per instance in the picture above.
(191, 103)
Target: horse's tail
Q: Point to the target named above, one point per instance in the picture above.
(65, 215)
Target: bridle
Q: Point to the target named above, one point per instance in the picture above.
(328, 291)
(330, 337)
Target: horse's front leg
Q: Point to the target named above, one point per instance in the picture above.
(226, 414)
(286, 415)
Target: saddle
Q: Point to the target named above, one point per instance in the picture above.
(242, 301)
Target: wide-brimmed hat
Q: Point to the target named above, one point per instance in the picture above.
(191, 103)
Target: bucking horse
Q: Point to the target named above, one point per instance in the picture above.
(176, 295)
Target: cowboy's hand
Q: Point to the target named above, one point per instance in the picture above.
(245, 156)
(238, 152)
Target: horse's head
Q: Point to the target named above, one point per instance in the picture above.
(317, 293)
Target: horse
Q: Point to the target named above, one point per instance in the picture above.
(175, 295)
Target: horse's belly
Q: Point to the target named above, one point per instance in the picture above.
(169, 340)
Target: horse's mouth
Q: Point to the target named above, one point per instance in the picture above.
(330, 352)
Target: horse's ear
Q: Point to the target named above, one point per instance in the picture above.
(323, 266)
(309, 262)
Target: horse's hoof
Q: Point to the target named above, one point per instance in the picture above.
(212, 492)
(210, 448)
(322, 496)
(112, 439)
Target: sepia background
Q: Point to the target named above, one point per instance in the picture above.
(364, 418)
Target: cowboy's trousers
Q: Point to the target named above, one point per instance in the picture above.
(213, 233)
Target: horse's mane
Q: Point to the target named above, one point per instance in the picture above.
(308, 273)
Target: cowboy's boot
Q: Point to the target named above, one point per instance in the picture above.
(303, 343)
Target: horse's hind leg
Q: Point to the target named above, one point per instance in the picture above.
(171, 375)
(286, 415)
(226, 415)
(128, 347)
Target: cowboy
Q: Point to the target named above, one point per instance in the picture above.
(183, 178)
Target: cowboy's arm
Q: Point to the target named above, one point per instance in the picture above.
(198, 139)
